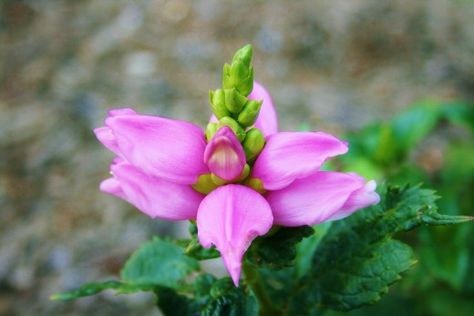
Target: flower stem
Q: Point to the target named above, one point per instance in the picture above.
(254, 281)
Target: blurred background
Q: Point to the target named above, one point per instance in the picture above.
(331, 65)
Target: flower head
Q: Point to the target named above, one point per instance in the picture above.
(236, 180)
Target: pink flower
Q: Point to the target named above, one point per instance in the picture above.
(159, 161)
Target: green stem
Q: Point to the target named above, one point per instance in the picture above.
(254, 281)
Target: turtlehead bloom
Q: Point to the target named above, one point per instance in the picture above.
(236, 180)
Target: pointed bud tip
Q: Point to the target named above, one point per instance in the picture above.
(244, 55)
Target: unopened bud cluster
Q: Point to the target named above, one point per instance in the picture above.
(231, 106)
(233, 109)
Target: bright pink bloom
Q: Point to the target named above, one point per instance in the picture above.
(160, 159)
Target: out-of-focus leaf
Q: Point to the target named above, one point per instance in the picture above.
(387, 149)
(159, 263)
(445, 253)
(362, 166)
(279, 249)
(357, 259)
(459, 112)
(410, 127)
(441, 302)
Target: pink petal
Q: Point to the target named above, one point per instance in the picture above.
(112, 186)
(213, 119)
(104, 134)
(289, 156)
(267, 121)
(169, 149)
(224, 155)
(107, 138)
(230, 217)
(321, 197)
(153, 196)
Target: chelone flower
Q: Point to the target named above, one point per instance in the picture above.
(237, 179)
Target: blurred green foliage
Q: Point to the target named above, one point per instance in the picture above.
(431, 143)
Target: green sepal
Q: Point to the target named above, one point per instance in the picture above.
(245, 173)
(255, 184)
(218, 181)
(249, 114)
(204, 184)
(253, 143)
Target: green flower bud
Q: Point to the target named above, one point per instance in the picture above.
(239, 74)
(204, 184)
(217, 100)
(211, 129)
(217, 181)
(245, 173)
(253, 143)
(249, 114)
(234, 126)
(234, 101)
(255, 184)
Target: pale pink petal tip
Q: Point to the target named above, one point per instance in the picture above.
(288, 156)
(230, 218)
(107, 138)
(224, 155)
(361, 198)
(112, 186)
(122, 111)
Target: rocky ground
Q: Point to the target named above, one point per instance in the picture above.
(333, 64)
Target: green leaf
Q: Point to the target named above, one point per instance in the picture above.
(90, 289)
(357, 259)
(225, 299)
(307, 246)
(172, 303)
(211, 298)
(278, 250)
(159, 263)
(365, 278)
